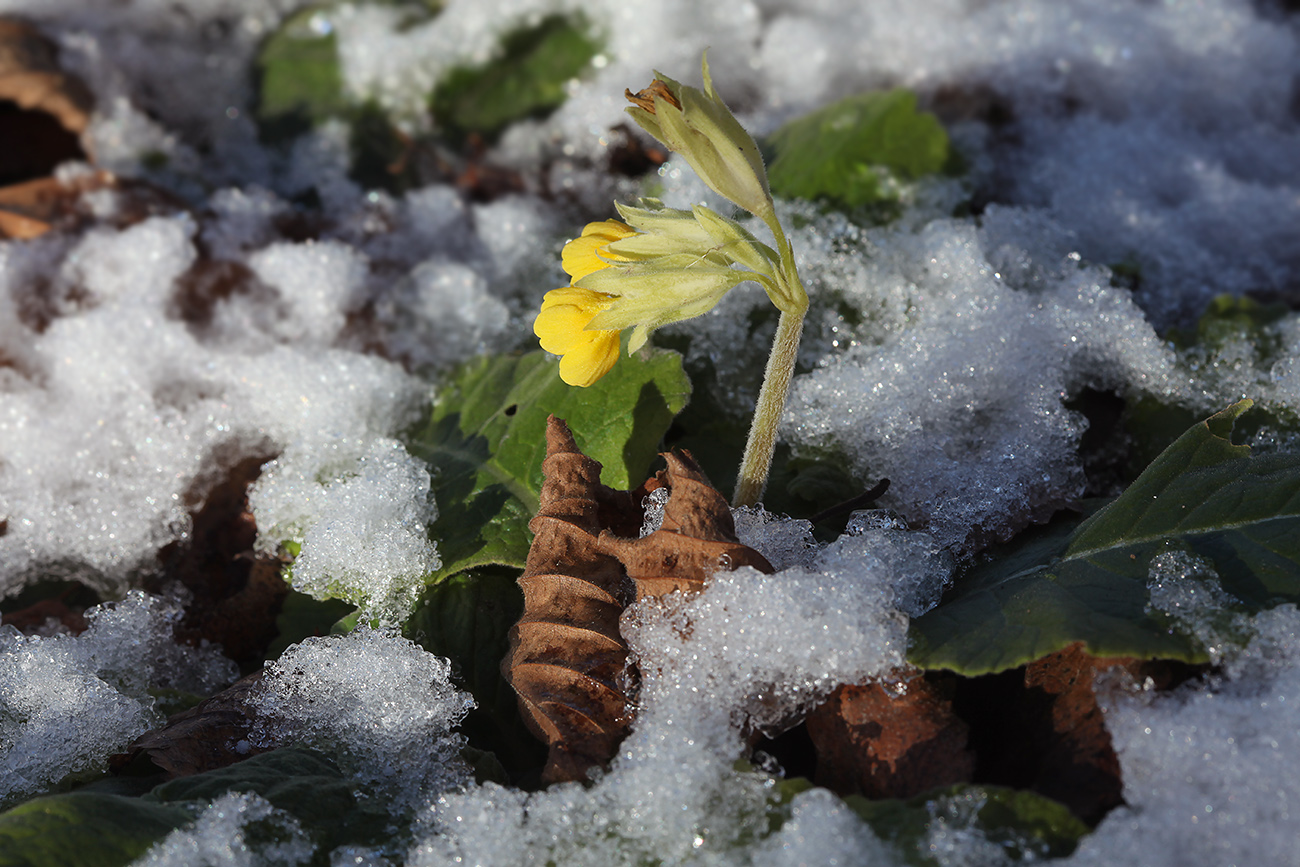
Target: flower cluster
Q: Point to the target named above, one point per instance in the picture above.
(661, 265)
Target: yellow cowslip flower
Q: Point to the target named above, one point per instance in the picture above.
(661, 266)
(585, 354)
(589, 253)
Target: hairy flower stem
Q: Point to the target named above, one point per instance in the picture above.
(793, 303)
(757, 461)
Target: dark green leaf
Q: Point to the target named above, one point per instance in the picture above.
(84, 829)
(1025, 825)
(467, 618)
(1240, 513)
(834, 153)
(300, 781)
(527, 79)
(486, 441)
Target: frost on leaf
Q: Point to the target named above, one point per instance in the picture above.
(567, 659)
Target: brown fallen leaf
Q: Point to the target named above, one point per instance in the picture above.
(31, 208)
(1078, 765)
(47, 615)
(882, 744)
(696, 539)
(1040, 727)
(234, 594)
(47, 112)
(30, 76)
(567, 658)
(210, 735)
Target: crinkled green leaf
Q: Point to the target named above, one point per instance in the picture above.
(1239, 512)
(527, 80)
(486, 440)
(467, 619)
(83, 829)
(834, 153)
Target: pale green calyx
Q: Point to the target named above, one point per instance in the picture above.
(656, 292)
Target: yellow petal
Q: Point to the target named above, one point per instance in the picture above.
(582, 256)
(586, 355)
(559, 328)
(589, 358)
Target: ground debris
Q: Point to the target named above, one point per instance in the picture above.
(889, 743)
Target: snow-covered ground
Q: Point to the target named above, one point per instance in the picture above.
(1161, 136)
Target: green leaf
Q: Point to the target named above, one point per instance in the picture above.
(467, 619)
(486, 440)
(1025, 825)
(83, 829)
(835, 153)
(298, 82)
(1237, 511)
(301, 617)
(300, 781)
(1229, 319)
(526, 80)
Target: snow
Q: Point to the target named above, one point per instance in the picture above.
(746, 654)
(68, 702)
(1207, 773)
(143, 354)
(239, 829)
(375, 699)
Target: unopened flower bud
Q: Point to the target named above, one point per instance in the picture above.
(698, 125)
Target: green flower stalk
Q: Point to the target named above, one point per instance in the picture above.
(664, 265)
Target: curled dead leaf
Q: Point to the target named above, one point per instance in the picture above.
(696, 539)
(567, 659)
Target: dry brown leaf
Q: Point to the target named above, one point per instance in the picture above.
(567, 659)
(31, 208)
(31, 77)
(882, 744)
(696, 539)
(1078, 766)
(47, 614)
(234, 594)
(210, 735)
